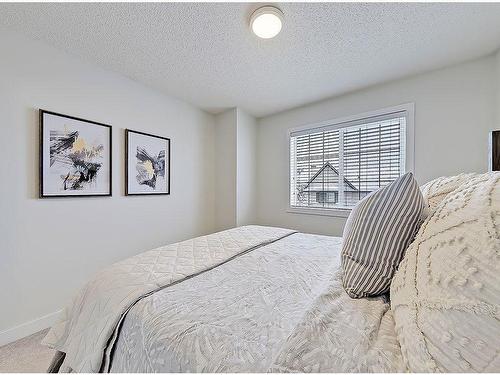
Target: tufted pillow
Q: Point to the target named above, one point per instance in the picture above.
(436, 190)
(377, 233)
(445, 295)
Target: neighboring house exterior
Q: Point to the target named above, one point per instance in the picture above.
(322, 190)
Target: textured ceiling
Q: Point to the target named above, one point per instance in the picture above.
(205, 53)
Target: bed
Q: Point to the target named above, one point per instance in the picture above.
(249, 299)
(264, 299)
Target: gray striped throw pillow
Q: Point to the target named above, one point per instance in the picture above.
(376, 235)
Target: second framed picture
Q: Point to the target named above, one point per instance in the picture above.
(147, 164)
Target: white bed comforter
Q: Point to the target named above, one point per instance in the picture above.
(279, 308)
(89, 325)
(271, 302)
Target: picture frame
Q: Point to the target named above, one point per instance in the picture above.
(494, 150)
(75, 157)
(147, 164)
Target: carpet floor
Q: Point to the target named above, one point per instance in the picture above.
(26, 355)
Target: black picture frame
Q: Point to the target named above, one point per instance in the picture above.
(42, 194)
(494, 161)
(168, 163)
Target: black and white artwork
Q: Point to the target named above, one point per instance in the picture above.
(147, 164)
(75, 156)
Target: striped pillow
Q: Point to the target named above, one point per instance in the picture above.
(376, 235)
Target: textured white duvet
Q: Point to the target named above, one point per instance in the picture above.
(89, 325)
(270, 300)
(278, 308)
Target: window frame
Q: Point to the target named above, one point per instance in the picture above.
(345, 122)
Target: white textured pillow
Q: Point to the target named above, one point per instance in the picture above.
(446, 293)
(436, 190)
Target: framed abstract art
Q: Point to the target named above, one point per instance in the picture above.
(147, 164)
(75, 156)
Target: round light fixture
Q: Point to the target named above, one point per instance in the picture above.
(266, 22)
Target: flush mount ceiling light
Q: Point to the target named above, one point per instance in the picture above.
(266, 22)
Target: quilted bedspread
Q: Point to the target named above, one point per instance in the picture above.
(278, 308)
(89, 325)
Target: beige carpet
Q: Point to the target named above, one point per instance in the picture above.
(26, 355)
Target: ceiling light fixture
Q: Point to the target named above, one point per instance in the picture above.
(266, 22)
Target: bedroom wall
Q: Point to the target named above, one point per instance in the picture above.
(50, 247)
(225, 169)
(497, 80)
(235, 169)
(454, 111)
(246, 168)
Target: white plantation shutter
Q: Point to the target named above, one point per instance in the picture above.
(335, 166)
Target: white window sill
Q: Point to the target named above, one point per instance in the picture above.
(336, 212)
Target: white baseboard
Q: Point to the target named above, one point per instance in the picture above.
(28, 328)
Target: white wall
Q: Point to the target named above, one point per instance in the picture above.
(454, 111)
(50, 247)
(235, 169)
(225, 169)
(246, 184)
(497, 80)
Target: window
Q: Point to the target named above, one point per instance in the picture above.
(335, 165)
